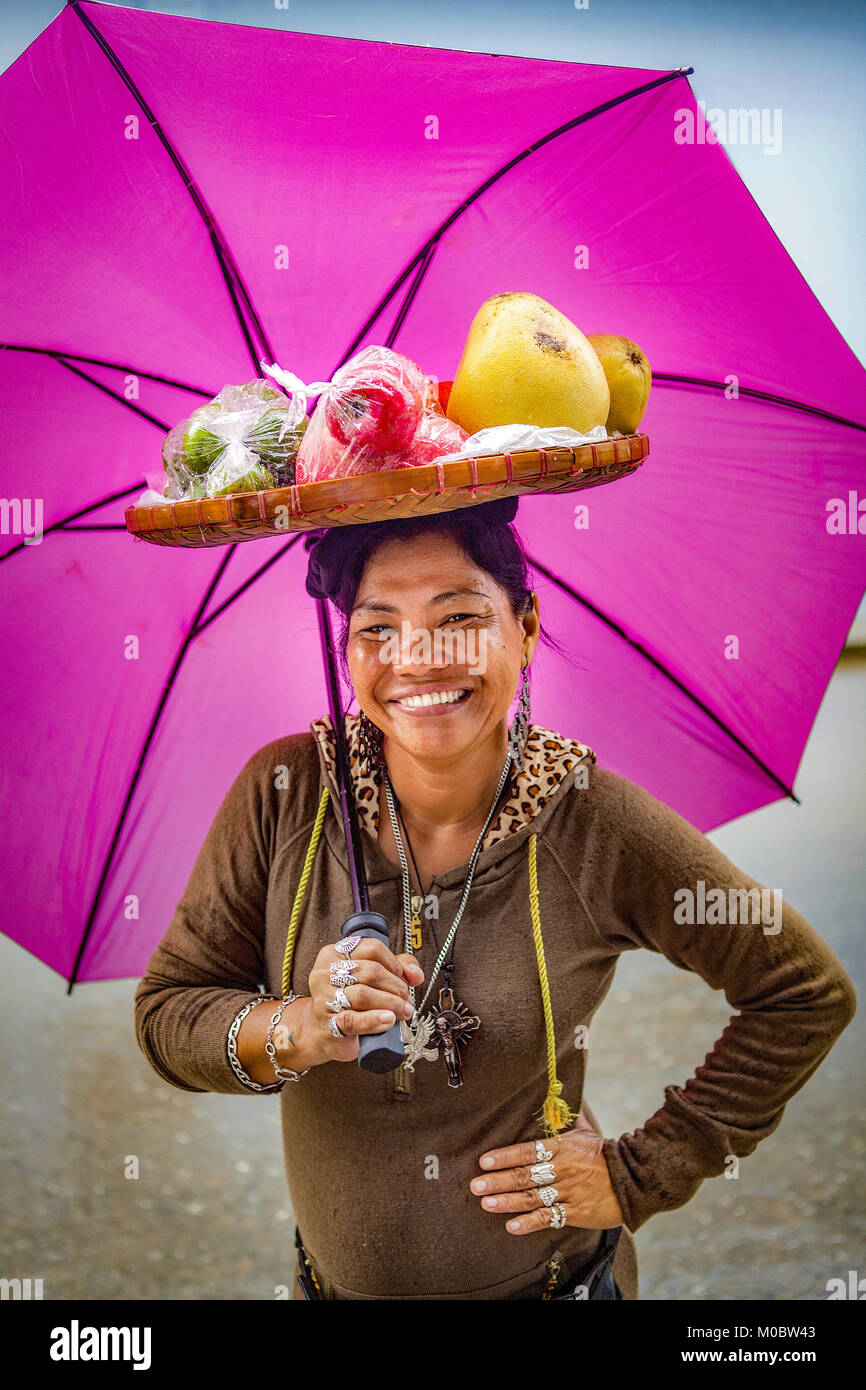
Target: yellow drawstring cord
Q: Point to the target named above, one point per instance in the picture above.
(555, 1114)
(302, 888)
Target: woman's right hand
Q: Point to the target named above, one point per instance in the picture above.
(379, 995)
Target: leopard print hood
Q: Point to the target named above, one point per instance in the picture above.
(548, 758)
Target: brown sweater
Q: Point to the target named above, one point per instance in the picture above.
(379, 1178)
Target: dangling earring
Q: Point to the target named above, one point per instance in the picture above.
(519, 730)
(370, 740)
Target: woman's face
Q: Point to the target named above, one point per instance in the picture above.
(427, 620)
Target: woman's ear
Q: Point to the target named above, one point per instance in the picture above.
(531, 628)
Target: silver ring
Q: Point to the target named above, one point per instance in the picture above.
(341, 973)
(557, 1216)
(548, 1196)
(334, 1030)
(339, 1003)
(347, 945)
(541, 1153)
(542, 1173)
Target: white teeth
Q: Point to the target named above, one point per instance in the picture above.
(439, 697)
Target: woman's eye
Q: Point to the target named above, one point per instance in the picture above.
(380, 630)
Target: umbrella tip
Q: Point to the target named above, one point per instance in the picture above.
(684, 72)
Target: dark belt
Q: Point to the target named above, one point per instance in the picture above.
(596, 1279)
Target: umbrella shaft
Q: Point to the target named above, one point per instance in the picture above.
(357, 873)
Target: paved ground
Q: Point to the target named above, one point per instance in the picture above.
(209, 1217)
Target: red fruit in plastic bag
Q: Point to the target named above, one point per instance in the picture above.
(436, 436)
(382, 412)
(378, 406)
(328, 461)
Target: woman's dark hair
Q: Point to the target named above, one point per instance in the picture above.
(491, 543)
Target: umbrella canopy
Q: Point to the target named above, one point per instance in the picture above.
(184, 197)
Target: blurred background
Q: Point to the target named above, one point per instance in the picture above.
(209, 1216)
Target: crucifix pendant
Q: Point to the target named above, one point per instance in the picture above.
(453, 1026)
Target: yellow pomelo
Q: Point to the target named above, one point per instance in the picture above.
(628, 378)
(525, 363)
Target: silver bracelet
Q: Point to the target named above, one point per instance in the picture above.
(232, 1046)
(284, 1073)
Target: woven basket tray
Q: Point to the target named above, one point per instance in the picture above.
(384, 496)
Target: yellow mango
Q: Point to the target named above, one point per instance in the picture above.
(628, 378)
(525, 363)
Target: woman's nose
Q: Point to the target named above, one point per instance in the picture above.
(420, 649)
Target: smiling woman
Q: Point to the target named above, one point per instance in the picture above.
(445, 721)
(514, 871)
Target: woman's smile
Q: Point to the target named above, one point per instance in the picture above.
(433, 700)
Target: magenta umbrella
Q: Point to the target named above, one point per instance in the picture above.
(184, 198)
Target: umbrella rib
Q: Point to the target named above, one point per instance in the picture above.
(225, 260)
(200, 627)
(140, 764)
(754, 393)
(423, 255)
(115, 366)
(59, 357)
(100, 386)
(112, 497)
(642, 651)
(82, 511)
(410, 295)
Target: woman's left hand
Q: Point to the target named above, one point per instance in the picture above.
(582, 1182)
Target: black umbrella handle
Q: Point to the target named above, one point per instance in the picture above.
(377, 1052)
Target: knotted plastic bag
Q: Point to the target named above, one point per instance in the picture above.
(380, 411)
(244, 440)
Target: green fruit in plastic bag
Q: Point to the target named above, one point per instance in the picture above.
(200, 463)
(255, 480)
(201, 448)
(277, 454)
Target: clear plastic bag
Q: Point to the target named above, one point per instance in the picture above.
(245, 439)
(501, 439)
(380, 411)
